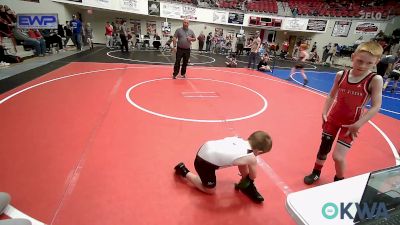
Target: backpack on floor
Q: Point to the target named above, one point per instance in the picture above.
(12, 59)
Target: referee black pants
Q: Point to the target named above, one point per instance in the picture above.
(181, 53)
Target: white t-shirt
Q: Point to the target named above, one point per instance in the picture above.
(223, 152)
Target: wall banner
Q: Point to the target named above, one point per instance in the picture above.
(170, 10)
(317, 25)
(341, 29)
(295, 24)
(367, 28)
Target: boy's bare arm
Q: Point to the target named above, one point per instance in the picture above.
(251, 162)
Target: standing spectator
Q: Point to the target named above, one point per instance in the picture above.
(183, 39)
(325, 53)
(314, 47)
(109, 35)
(240, 44)
(254, 47)
(122, 30)
(76, 26)
(89, 34)
(332, 52)
(208, 42)
(201, 39)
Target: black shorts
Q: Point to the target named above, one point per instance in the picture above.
(206, 171)
(393, 75)
(299, 66)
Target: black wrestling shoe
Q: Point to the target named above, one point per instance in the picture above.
(183, 75)
(181, 170)
(337, 178)
(173, 76)
(312, 178)
(251, 192)
(305, 82)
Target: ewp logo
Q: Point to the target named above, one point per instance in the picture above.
(364, 212)
(36, 21)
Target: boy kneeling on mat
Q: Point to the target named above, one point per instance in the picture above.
(230, 151)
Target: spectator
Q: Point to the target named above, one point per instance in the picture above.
(89, 34)
(76, 26)
(51, 38)
(122, 30)
(208, 42)
(201, 38)
(109, 35)
(68, 34)
(231, 61)
(157, 41)
(40, 45)
(263, 64)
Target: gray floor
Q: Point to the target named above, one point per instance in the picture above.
(34, 62)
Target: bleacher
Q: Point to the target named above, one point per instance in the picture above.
(267, 6)
(343, 9)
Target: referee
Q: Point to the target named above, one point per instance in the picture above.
(185, 37)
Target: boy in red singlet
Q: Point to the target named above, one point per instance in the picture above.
(352, 89)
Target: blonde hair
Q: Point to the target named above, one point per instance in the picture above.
(260, 140)
(373, 47)
(304, 46)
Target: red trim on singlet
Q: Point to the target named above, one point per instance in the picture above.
(350, 100)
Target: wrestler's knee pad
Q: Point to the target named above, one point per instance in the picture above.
(325, 147)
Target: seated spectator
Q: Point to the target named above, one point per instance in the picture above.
(168, 43)
(51, 37)
(156, 41)
(231, 60)
(39, 44)
(146, 40)
(7, 23)
(314, 57)
(4, 201)
(263, 64)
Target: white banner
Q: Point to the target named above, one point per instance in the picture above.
(98, 3)
(295, 24)
(367, 28)
(220, 17)
(170, 10)
(135, 6)
(189, 12)
(341, 29)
